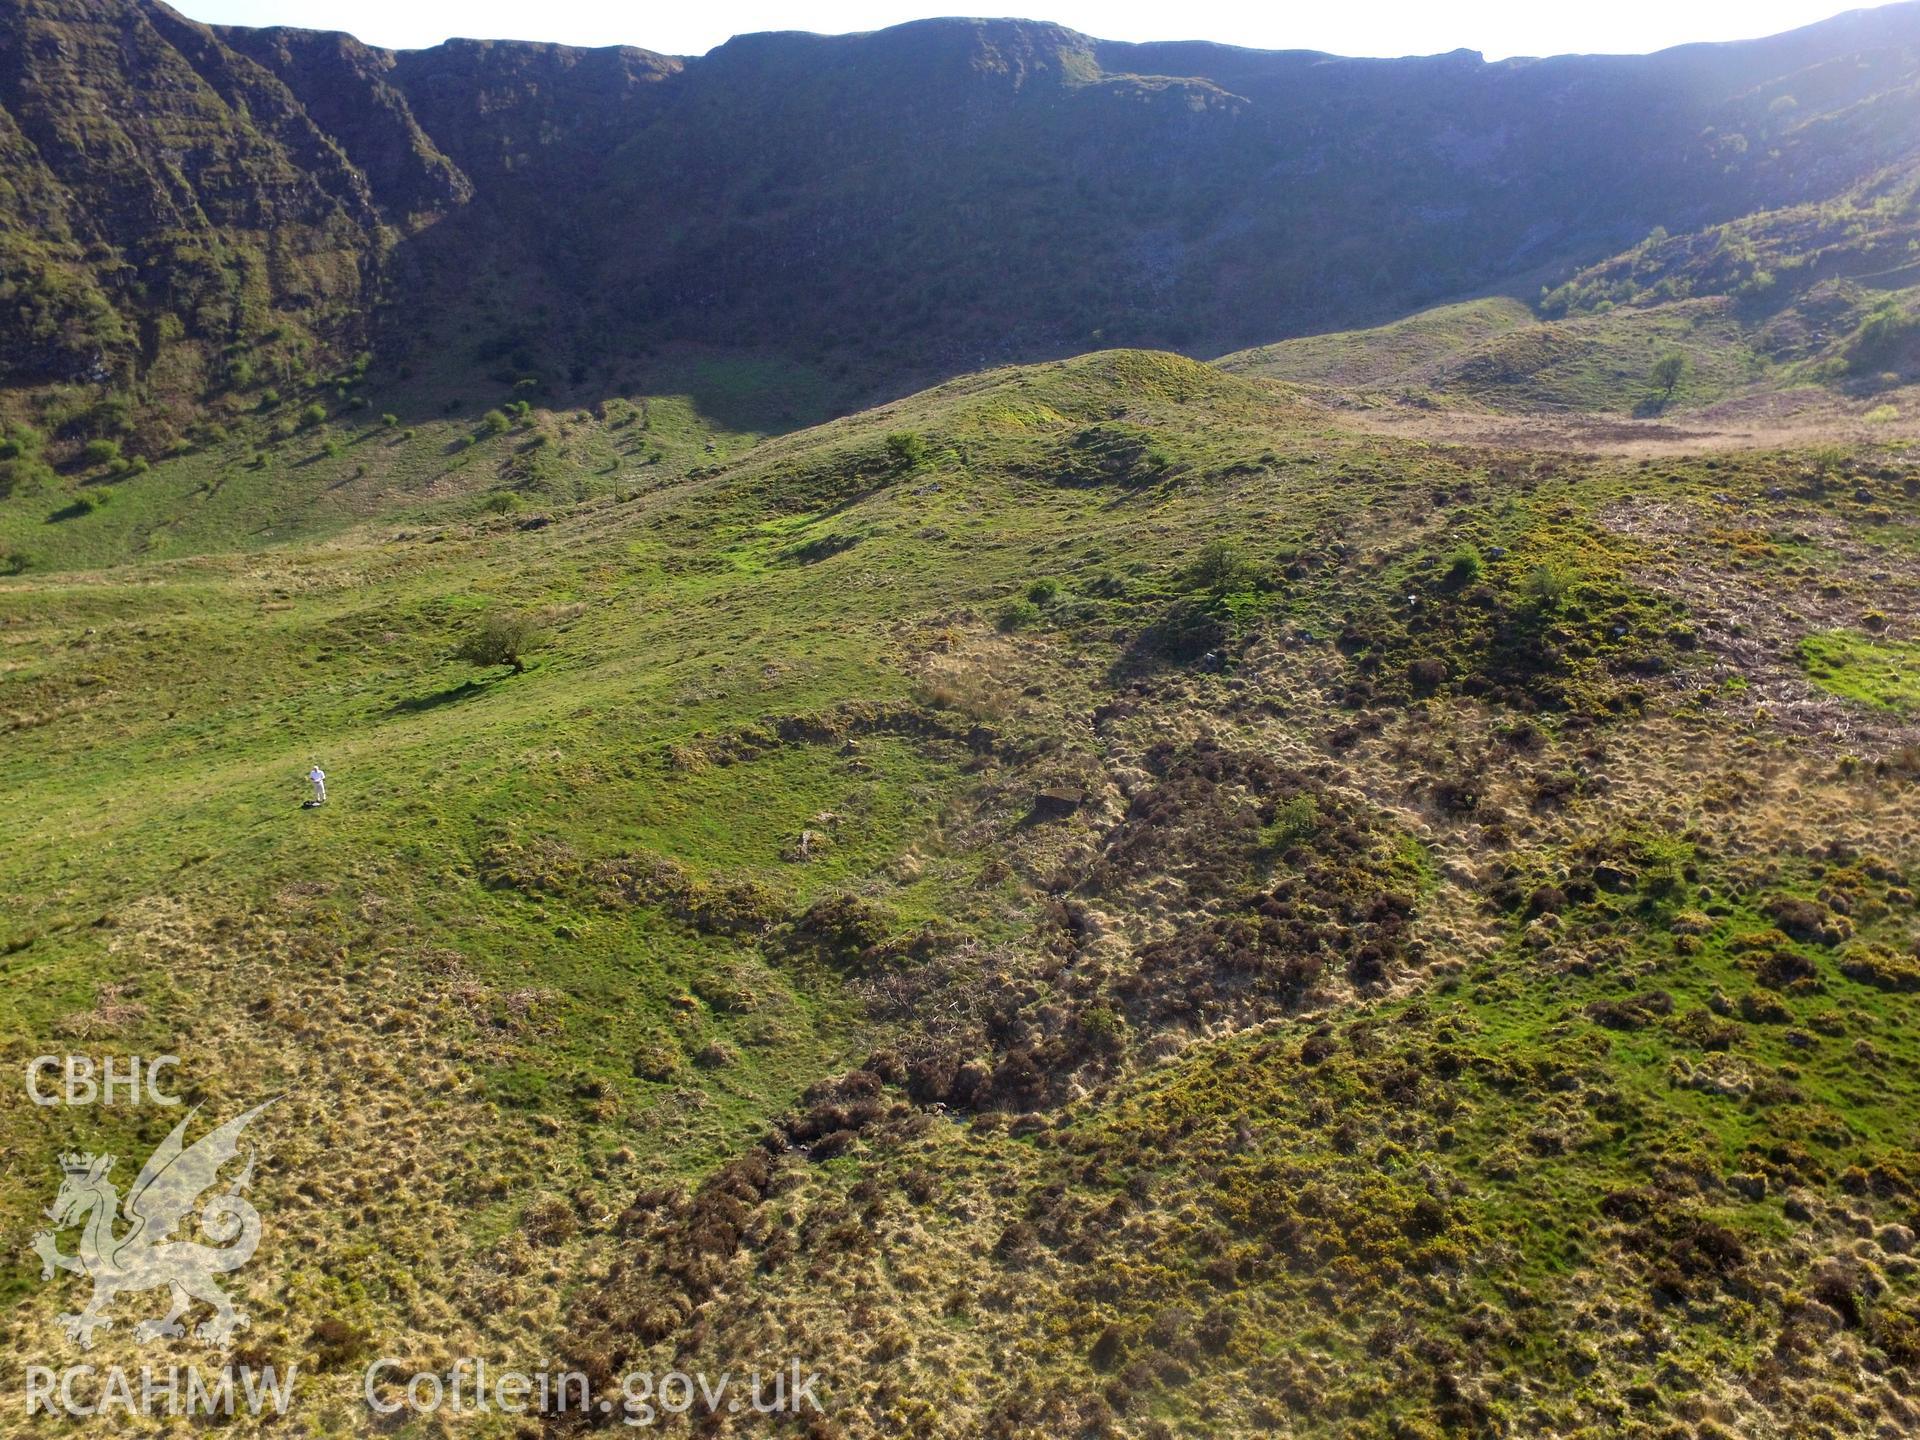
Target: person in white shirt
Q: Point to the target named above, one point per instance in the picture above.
(319, 779)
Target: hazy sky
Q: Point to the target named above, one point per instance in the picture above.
(1355, 27)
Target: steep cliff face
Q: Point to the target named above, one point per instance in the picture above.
(351, 94)
(982, 190)
(186, 211)
(175, 222)
(530, 114)
(191, 201)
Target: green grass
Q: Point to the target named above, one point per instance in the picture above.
(1387, 353)
(1878, 672)
(268, 481)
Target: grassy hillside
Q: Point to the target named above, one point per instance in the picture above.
(1495, 354)
(1867, 236)
(1386, 354)
(1085, 900)
(456, 445)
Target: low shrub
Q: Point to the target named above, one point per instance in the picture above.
(907, 450)
(1464, 566)
(502, 637)
(1545, 586)
(1221, 569)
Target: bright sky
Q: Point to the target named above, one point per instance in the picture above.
(1498, 28)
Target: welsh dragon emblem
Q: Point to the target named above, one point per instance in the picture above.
(147, 1257)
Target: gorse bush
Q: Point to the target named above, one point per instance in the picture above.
(1464, 566)
(1221, 569)
(85, 503)
(111, 415)
(1018, 615)
(907, 450)
(1296, 820)
(1546, 586)
(25, 475)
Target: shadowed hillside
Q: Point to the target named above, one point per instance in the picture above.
(192, 215)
